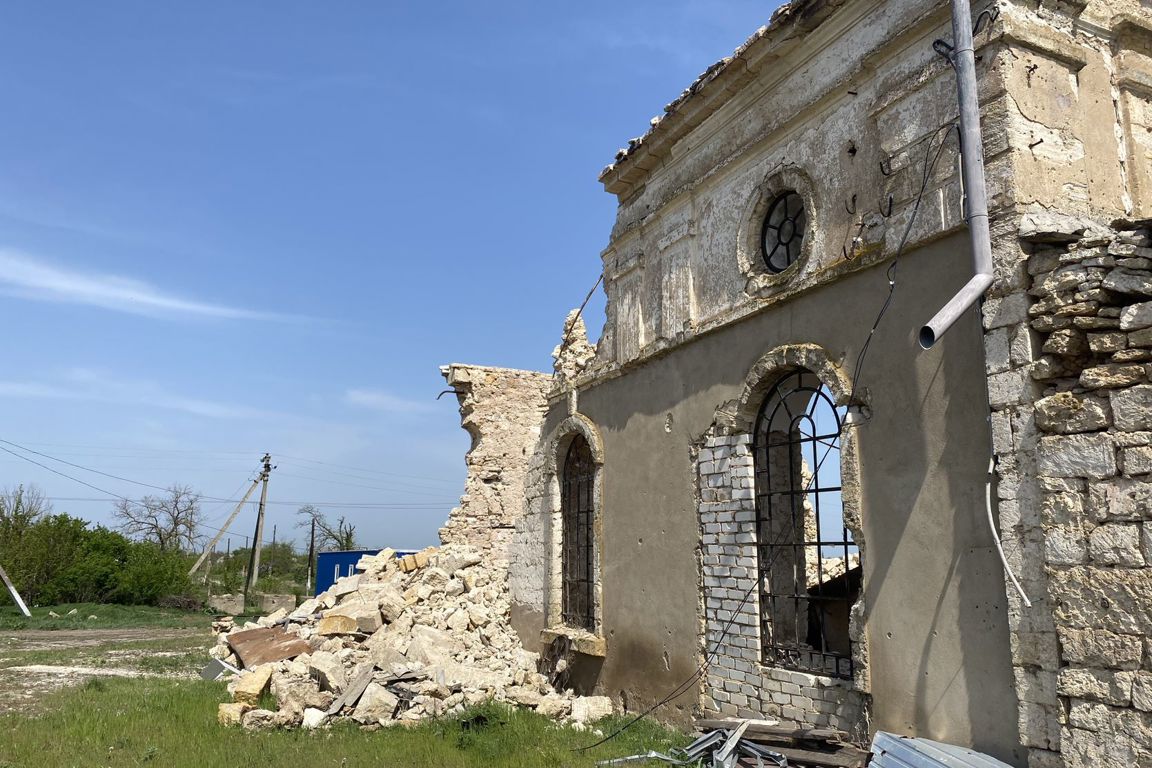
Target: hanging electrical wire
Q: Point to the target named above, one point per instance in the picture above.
(930, 162)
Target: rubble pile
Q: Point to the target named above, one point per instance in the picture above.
(401, 641)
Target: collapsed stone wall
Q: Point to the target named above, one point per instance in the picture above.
(502, 409)
(1069, 361)
(403, 640)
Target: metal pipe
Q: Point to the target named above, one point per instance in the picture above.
(972, 172)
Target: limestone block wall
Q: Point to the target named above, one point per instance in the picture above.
(502, 409)
(737, 684)
(1069, 363)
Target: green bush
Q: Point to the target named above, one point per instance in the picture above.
(60, 559)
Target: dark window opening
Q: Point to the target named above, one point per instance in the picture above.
(782, 235)
(576, 513)
(809, 566)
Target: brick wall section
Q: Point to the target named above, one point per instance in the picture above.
(1069, 364)
(737, 684)
(503, 410)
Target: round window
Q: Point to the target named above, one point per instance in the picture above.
(783, 233)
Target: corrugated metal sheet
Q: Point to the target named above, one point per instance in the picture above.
(892, 751)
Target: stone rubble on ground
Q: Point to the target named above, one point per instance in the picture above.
(404, 640)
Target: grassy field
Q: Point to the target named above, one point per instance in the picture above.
(107, 617)
(117, 722)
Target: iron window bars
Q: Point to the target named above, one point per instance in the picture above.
(782, 235)
(578, 608)
(809, 576)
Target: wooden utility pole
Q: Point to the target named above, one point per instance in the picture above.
(258, 536)
(231, 518)
(311, 556)
(271, 563)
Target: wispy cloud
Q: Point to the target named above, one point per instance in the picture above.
(379, 400)
(86, 385)
(26, 277)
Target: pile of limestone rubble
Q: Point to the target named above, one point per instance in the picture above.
(405, 639)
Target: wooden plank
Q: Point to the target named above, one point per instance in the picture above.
(845, 757)
(770, 730)
(260, 646)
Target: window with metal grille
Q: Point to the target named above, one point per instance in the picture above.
(576, 512)
(782, 234)
(808, 562)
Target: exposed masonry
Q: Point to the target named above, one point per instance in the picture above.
(537, 579)
(502, 409)
(737, 684)
(1072, 430)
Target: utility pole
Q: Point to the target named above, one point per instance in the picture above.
(258, 536)
(311, 556)
(271, 564)
(231, 518)
(12, 591)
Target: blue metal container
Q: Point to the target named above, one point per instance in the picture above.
(335, 565)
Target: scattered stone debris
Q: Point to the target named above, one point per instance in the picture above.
(403, 640)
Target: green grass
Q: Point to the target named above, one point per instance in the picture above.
(107, 617)
(116, 722)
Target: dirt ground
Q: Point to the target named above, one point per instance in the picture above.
(34, 663)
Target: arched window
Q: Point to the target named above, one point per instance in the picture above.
(576, 507)
(809, 565)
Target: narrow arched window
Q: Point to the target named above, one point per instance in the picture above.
(576, 508)
(809, 564)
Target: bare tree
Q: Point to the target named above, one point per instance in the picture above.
(20, 507)
(340, 535)
(172, 522)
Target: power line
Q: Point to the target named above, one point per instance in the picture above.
(363, 469)
(365, 505)
(416, 492)
(102, 451)
(159, 488)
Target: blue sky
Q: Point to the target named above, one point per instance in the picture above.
(231, 228)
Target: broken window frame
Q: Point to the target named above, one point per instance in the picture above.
(802, 391)
(577, 516)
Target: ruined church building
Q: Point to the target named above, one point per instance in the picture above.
(744, 502)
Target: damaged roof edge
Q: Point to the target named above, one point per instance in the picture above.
(799, 16)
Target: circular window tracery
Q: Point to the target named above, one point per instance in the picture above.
(782, 235)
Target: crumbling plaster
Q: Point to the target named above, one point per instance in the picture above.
(847, 102)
